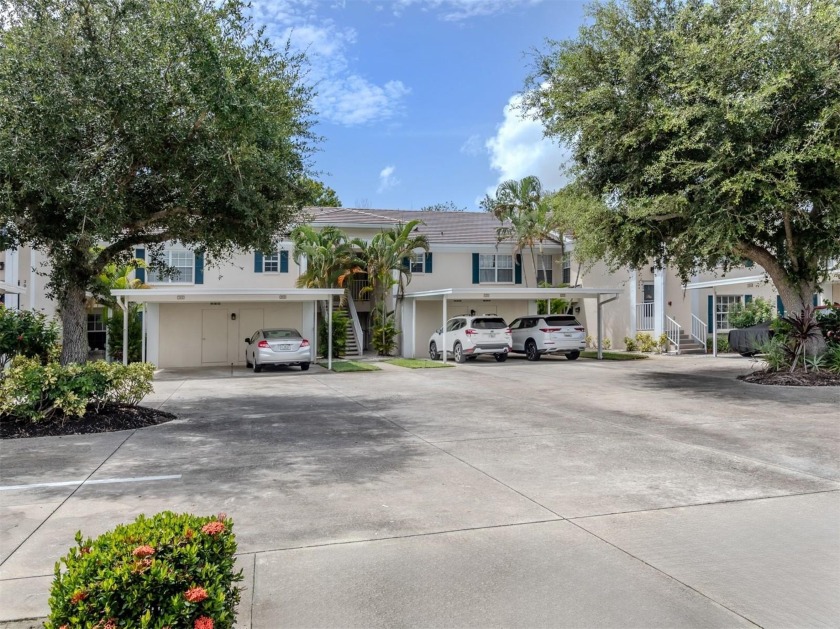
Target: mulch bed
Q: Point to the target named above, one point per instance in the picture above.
(109, 418)
(796, 379)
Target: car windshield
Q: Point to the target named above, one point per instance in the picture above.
(562, 320)
(489, 324)
(274, 335)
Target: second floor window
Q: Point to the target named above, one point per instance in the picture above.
(545, 274)
(271, 262)
(181, 266)
(567, 268)
(495, 268)
(418, 262)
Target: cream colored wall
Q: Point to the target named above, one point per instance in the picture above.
(449, 270)
(238, 272)
(180, 329)
(835, 292)
(616, 314)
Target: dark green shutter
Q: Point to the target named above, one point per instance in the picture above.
(428, 262)
(780, 306)
(258, 262)
(517, 269)
(284, 261)
(199, 268)
(476, 274)
(710, 321)
(816, 300)
(747, 299)
(140, 274)
(406, 263)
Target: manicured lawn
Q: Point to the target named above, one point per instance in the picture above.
(417, 363)
(346, 366)
(612, 355)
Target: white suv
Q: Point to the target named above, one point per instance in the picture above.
(548, 334)
(468, 336)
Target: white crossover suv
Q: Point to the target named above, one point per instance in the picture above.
(469, 336)
(548, 334)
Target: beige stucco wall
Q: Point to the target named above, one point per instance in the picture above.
(180, 331)
(616, 314)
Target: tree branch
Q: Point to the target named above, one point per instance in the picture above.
(789, 240)
(114, 249)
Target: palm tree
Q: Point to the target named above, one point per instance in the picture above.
(330, 256)
(525, 213)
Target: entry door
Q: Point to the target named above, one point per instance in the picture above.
(214, 336)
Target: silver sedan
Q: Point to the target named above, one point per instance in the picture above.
(277, 346)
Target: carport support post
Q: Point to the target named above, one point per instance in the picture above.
(714, 322)
(143, 340)
(329, 332)
(125, 330)
(600, 329)
(443, 329)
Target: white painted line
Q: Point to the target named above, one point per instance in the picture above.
(102, 481)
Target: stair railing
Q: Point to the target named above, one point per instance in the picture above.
(699, 330)
(673, 330)
(354, 317)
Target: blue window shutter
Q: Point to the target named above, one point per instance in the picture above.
(780, 306)
(747, 299)
(816, 300)
(406, 263)
(140, 274)
(517, 269)
(199, 268)
(258, 262)
(284, 261)
(428, 262)
(476, 275)
(710, 322)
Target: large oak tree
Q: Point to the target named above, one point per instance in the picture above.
(128, 122)
(710, 128)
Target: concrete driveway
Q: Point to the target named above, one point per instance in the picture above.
(658, 493)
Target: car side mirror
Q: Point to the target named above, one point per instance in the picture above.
(247, 340)
(439, 331)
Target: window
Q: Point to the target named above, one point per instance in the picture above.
(567, 268)
(724, 303)
(455, 324)
(647, 293)
(271, 262)
(180, 263)
(545, 272)
(418, 262)
(495, 268)
(96, 331)
(489, 324)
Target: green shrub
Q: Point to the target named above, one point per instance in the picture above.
(722, 344)
(339, 335)
(829, 320)
(114, 323)
(34, 391)
(663, 343)
(607, 344)
(645, 342)
(774, 352)
(384, 335)
(26, 333)
(170, 570)
(759, 310)
(832, 358)
(629, 344)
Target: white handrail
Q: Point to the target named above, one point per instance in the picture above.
(699, 330)
(673, 330)
(644, 316)
(354, 317)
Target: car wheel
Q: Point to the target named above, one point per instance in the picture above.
(247, 362)
(304, 366)
(531, 351)
(500, 358)
(458, 351)
(573, 355)
(257, 366)
(433, 353)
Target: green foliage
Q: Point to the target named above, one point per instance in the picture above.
(168, 570)
(774, 353)
(832, 358)
(141, 123)
(418, 363)
(759, 310)
(612, 355)
(558, 306)
(630, 344)
(339, 334)
(330, 256)
(722, 344)
(114, 324)
(25, 333)
(829, 320)
(803, 333)
(350, 366)
(320, 195)
(645, 342)
(663, 343)
(40, 392)
(449, 206)
(607, 343)
(710, 130)
(384, 335)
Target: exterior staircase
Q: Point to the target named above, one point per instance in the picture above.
(353, 348)
(690, 345)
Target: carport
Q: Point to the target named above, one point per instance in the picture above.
(495, 294)
(215, 300)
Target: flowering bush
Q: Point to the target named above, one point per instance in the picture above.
(170, 570)
(38, 392)
(26, 333)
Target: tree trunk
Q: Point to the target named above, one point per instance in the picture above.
(73, 309)
(795, 297)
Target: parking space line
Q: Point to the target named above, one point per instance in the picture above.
(102, 481)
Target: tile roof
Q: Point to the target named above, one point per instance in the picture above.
(441, 228)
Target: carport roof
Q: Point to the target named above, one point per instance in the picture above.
(188, 294)
(509, 292)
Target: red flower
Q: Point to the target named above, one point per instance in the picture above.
(143, 551)
(189, 534)
(222, 516)
(78, 597)
(195, 595)
(213, 528)
(205, 622)
(64, 627)
(84, 550)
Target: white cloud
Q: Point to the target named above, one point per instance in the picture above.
(473, 145)
(387, 179)
(519, 149)
(455, 10)
(343, 96)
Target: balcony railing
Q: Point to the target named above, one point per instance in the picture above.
(356, 286)
(644, 317)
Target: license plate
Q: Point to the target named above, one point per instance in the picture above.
(284, 346)
(567, 335)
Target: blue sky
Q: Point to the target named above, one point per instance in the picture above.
(414, 95)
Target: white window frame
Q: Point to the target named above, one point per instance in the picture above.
(482, 267)
(567, 267)
(722, 305)
(167, 257)
(270, 260)
(547, 260)
(417, 262)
